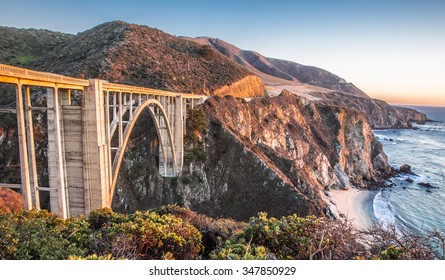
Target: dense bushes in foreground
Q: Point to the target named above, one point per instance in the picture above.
(291, 238)
(105, 234)
(177, 233)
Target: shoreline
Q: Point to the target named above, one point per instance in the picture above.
(356, 206)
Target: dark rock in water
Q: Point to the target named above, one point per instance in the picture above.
(426, 185)
(406, 168)
(404, 188)
(391, 140)
(388, 185)
(409, 180)
(428, 191)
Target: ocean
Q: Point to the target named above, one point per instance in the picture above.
(408, 204)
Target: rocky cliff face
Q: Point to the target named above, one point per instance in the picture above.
(378, 113)
(274, 154)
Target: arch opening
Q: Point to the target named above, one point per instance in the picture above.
(167, 155)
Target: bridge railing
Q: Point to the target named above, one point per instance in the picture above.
(22, 73)
(107, 86)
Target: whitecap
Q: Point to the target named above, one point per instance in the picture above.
(383, 211)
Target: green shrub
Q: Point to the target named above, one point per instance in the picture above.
(213, 231)
(147, 235)
(101, 217)
(241, 250)
(196, 123)
(185, 179)
(206, 52)
(160, 235)
(34, 235)
(79, 233)
(292, 237)
(393, 252)
(103, 235)
(93, 257)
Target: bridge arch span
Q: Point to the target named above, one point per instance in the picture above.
(167, 152)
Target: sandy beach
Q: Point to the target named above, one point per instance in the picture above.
(356, 205)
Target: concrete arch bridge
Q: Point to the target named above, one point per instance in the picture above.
(89, 123)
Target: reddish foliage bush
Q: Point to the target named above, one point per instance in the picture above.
(10, 201)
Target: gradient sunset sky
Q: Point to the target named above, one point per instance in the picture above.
(393, 50)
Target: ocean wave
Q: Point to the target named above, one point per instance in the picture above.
(383, 211)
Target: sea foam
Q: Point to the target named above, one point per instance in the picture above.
(383, 210)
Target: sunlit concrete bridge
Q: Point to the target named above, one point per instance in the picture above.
(89, 123)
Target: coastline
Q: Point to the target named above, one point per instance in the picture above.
(356, 205)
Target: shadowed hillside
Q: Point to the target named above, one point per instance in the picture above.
(19, 47)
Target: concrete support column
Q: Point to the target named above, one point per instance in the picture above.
(178, 133)
(56, 161)
(184, 116)
(97, 177)
(31, 149)
(163, 153)
(24, 167)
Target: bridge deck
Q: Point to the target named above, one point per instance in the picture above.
(12, 75)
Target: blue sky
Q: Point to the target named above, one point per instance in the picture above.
(394, 50)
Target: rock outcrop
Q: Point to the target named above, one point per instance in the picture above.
(378, 113)
(270, 154)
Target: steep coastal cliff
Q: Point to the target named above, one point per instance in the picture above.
(270, 154)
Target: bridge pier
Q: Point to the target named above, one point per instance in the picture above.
(56, 155)
(178, 132)
(31, 149)
(96, 161)
(23, 149)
